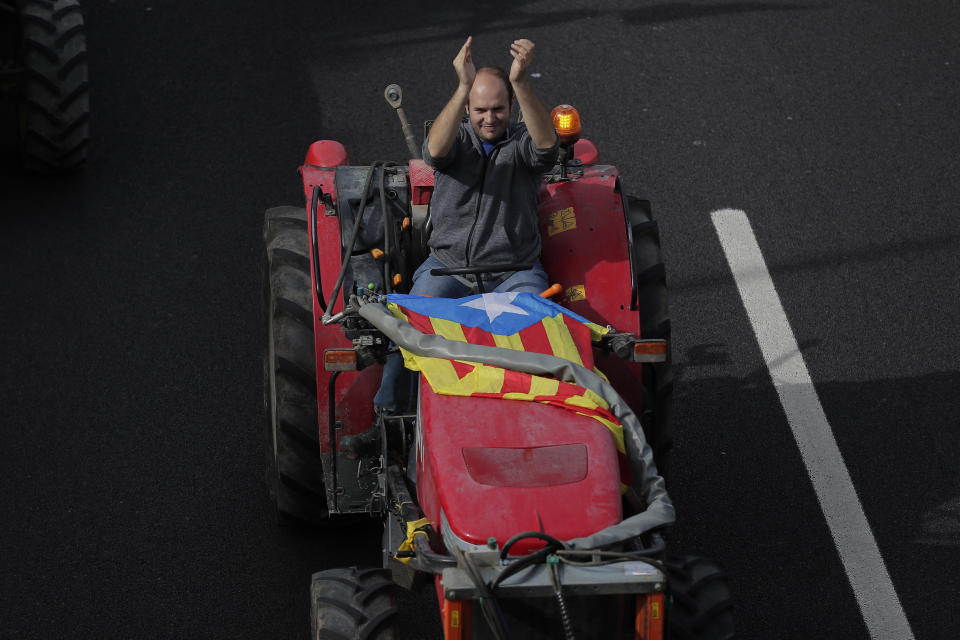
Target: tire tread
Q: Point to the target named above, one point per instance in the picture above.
(657, 379)
(294, 465)
(56, 104)
(702, 606)
(353, 604)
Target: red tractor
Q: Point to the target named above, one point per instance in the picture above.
(531, 520)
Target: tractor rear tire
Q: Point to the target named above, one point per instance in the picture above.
(654, 323)
(55, 108)
(353, 604)
(701, 603)
(294, 469)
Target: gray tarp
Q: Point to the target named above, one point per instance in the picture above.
(647, 483)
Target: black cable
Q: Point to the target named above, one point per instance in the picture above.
(550, 540)
(314, 202)
(522, 562)
(488, 601)
(348, 250)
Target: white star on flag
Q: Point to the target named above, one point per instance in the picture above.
(495, 304)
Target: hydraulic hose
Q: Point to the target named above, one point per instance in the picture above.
(554, 563)
(537, 557)
(348, 250)
(548, 555)
(550, 540)
(488, 601)
(314, 202)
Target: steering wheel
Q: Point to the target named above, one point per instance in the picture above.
(481, 269)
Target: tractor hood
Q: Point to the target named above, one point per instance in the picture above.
(644, 479)
(495, 468)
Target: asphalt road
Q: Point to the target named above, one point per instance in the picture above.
(132, 502)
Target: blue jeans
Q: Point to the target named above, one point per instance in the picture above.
(397, 384)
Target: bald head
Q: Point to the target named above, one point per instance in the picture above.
(500, 73)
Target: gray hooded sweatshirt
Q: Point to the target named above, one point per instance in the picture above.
(484, 208)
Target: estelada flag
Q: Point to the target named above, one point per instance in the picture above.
(516, 321)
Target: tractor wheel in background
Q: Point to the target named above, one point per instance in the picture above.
(654, 323)
(294, 469)
(701, 606)
(353, 604)
(55, 107)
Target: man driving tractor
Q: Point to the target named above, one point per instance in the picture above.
(488, 175)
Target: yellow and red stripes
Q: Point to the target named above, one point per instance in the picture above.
(560, 336)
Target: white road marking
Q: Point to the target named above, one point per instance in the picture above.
(878, 601)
